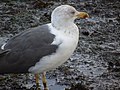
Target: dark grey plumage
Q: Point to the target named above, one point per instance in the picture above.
(26, 49)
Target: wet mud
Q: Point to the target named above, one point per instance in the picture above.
(95, 65)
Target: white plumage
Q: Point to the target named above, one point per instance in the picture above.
(66, 36)
(68, 39)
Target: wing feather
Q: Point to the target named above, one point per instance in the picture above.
(26, 49)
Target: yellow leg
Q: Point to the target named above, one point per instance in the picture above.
(37, 81)
(44, 81)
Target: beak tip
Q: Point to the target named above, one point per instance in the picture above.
(83, 15)
(86, 16)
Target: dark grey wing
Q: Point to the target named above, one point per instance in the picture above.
(3, 52)
(26, 49)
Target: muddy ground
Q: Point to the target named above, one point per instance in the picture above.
(95, 65)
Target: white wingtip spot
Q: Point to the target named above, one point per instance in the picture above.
(2, 47)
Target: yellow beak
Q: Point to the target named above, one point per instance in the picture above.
(82, 15)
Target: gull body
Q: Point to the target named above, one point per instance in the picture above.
(42, 48)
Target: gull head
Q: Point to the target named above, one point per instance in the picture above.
(65, 15)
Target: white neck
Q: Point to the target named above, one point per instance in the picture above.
(65, 25)
(60, 23)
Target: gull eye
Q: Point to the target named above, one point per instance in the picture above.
(72, 12)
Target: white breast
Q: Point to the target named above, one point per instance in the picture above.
(67, 42)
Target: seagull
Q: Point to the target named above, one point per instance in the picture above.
(42, 48)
